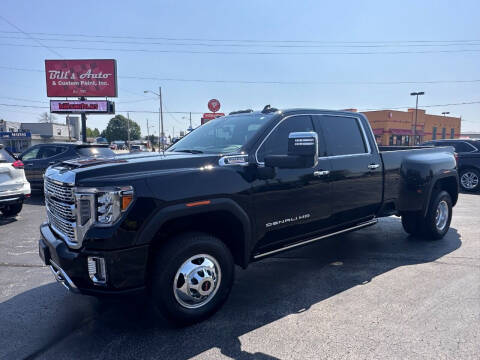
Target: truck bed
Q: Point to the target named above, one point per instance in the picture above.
(421, 162)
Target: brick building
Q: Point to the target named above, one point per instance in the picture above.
(392, 127)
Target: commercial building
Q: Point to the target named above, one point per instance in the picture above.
(393, 127)
(18, 137)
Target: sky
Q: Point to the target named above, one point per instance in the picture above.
(316, 54)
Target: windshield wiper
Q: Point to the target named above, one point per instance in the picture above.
(190, 151)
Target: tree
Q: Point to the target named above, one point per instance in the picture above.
(93, 133)
(117, 129)
(47, 117)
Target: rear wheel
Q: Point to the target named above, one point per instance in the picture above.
(191, 277)
(470, 180)
(439, 216)
(12, 210)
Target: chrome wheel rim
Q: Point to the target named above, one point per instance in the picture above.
(441, 216)
(197, 281)
(469, 180)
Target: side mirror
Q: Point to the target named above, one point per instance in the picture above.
(302, 152)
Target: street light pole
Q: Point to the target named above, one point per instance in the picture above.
(160, 117)
(416, 115)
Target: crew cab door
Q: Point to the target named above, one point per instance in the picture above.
(356, 168)
(294, 202)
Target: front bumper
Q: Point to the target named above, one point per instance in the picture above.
(126, 268)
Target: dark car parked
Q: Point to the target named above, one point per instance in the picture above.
(39, 157)
(468, 158)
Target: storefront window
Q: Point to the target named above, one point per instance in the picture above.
(434, 133)
(444, 133)
(452, 133)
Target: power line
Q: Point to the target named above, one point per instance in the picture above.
(272, 82)
(225, 52)
(32, 38)
(240, 40)
(379, 45)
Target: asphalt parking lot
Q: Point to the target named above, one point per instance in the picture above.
(376, 293)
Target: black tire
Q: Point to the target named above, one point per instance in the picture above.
(412, 223)
(430, 227)
(168, 261)
(12, 210)
(470, 180)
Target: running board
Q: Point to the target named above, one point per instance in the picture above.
(359, 226)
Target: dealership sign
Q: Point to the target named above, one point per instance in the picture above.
(75, 78)
(82, 106)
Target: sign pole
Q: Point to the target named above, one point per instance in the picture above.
(84, 125)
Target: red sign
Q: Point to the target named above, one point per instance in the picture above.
(214, 105)
(81, 106)
(96, 78)
(210, 116)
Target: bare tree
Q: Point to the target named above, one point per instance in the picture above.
(47, 118)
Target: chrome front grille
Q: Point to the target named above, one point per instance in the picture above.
(60, 192)
(63, 210)
(64, 228)
(60, 205)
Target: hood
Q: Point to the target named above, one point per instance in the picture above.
(134, 166)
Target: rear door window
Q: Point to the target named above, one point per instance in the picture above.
(343, 135)
(462, 147)
(46, 152)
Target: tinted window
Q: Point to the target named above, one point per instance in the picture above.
(342, 135)
(277, 141)
(46, 152)
(30, 154)
(95, 151)
(6, 157)
(462, 147)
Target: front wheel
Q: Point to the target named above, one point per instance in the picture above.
(191, 277)
(12, 210)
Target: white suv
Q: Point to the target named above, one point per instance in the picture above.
(14, 187)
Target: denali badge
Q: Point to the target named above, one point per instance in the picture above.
(288, 220)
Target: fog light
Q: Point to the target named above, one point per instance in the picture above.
(97, 270)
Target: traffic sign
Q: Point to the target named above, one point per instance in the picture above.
(214, 105)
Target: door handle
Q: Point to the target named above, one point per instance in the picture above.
(30, 164)
(321, 173)
(373, 166)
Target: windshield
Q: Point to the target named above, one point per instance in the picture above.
(223, 135)
(95, 151)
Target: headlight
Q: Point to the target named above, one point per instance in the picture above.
(111, 203)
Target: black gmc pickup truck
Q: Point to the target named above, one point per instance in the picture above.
(235, 190)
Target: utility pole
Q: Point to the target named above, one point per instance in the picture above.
(173, 132)
(191, 128)
(128, 130)
(416, 115)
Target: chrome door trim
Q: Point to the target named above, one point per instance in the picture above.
(364, 135)
(359, 226)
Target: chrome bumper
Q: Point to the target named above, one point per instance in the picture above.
(62, 277)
